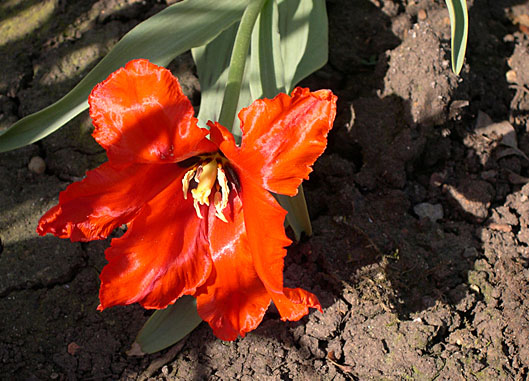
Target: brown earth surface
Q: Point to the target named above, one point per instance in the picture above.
(420, 207)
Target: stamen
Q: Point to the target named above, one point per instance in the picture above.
(221, 198)
(185, 181)
(218, 206)
(197, 208)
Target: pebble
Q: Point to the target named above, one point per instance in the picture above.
(421, 15)
(432, 211)
(511, 76)
(37, 165)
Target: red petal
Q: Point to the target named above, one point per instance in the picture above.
(141, 114)
(110, 196)
(163, 255)
(268, 251)
(294, 303)
(267, 245)
(283, 137)
(233, 300)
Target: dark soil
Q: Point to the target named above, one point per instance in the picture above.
(420, 252)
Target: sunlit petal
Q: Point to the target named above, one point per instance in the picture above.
(163, 255)
(141, 114)
(233, 300)
(283, 137)
(108, 197)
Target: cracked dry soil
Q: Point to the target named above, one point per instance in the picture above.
(420, 206)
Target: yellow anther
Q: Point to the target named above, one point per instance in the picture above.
(185, 181)
(218, 206)
(208, 175)
(221, 198)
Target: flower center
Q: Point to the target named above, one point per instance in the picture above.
(209, 176)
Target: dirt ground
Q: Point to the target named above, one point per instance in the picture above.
(420, 252)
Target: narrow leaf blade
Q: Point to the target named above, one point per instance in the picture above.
(212, 61)
(168, 326)
(457, 10)
(298, 214)
(160, 38)
(265, 72)
(303, 27)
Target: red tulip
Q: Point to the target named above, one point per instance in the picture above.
(201, 219)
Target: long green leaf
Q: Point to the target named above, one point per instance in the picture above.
(160, 38)
(289, 44)
(168, 326)
(212, 61)
(303, 27)
(298, 214)
(266, 72)
(457, 10)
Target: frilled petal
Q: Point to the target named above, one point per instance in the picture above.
(233, 300)
(109, 196)
(163, 255)
(141, 114)
(294, 303)
(268, 250)
(283, 137)
(267, 245)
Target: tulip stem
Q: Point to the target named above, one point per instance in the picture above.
(238, 62)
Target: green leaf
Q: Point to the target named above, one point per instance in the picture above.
(289, 43)
(166, 327)
(160, 39)
(298, 214)
(266, 72)
(212, 61)
(303, 28)
(457, 10)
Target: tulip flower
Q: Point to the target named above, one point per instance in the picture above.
(201, 219)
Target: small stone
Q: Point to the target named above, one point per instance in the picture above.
(421, 15)
(37, 165)
(433, 212)
(511, 76)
